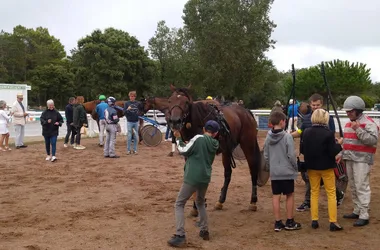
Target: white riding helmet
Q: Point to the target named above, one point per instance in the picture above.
(291, 101)
(353, 102)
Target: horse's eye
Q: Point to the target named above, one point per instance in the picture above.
(169, 101)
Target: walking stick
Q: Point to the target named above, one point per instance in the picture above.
(339, 166)
(331, 98)
(291, 96)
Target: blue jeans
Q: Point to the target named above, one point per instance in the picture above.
(135, 126)
(51, 140)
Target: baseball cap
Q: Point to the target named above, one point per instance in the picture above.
(212, 126)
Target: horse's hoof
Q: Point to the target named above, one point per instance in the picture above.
(252, 207)
(218, 206)
(194, 213)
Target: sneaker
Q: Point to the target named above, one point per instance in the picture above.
(128, 152)
(303, 207)
(340, 198)
(80, 147)
(53, 159)
(135, 152)
(177, 241)
(278, 226)
(204, 234)
(315, 224)
(65, 145)
(48, 158)
(335, 227)
(292, 225)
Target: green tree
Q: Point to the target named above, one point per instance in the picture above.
(231, 38)
(27, 55)
(344, 79)
(177, 58)
(111, 63)
(55, 81)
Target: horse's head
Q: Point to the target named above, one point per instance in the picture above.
(148, 104)
(179, 106)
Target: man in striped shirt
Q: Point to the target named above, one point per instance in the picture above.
(359, 147)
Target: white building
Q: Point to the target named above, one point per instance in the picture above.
(8, 93)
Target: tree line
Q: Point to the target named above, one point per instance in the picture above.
(220, 50)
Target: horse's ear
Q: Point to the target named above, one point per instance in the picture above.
(189, 87)
(172, 87)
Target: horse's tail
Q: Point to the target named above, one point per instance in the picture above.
(257, 160)
(257, 152)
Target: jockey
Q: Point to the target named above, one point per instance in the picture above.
(112, 121)
(209, 97)
(359, 147)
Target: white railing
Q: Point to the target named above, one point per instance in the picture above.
(260, 116)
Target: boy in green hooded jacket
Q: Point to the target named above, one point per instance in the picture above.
(200, 153)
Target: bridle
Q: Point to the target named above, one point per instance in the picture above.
(184, 114)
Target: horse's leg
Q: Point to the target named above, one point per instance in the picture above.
(252, 154)
(194, 211)
(227, 179)
(141, 124)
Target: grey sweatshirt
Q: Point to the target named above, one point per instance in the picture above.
(280, 156)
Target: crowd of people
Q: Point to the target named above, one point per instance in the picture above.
(322, 151)
(318, 144)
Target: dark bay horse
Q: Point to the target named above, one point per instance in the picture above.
(162, 104)
(238, 126)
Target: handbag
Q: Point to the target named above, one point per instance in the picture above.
(301, 165)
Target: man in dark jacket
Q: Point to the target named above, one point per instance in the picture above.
(131, 111)
(316, 102)
(79, 120)
(69, 122)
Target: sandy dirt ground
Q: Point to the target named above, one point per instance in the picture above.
(84, 201)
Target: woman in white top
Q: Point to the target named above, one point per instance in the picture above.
(4, 132)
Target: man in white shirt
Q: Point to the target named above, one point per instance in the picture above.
(19, 120)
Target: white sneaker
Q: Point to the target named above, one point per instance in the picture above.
(80, 147)
(47, 158)
(53, 158)
(65, 145)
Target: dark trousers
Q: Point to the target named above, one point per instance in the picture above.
(70, 131)
(51, 140)
(77, 134)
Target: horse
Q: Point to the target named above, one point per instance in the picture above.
(90, 108)
(162, 104)
(238, 126)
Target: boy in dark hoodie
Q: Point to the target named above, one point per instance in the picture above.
(200, 153)
(281, 159)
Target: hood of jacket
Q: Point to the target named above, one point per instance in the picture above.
(274, 136)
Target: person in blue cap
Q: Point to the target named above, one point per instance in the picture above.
(200, 152)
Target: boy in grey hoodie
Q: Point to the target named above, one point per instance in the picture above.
(281, 159)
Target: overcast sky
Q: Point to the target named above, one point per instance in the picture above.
(307, 32)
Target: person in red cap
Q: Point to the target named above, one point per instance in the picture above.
(200, 152)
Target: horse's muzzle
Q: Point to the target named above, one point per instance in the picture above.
(176, 124)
